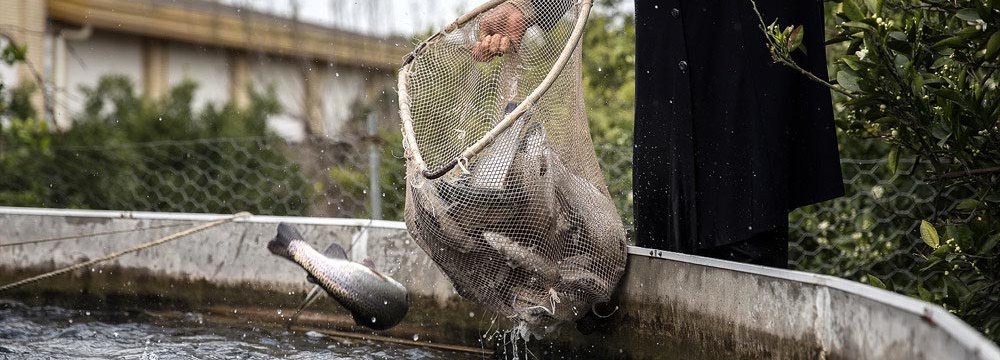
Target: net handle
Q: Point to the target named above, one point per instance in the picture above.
(550, 78)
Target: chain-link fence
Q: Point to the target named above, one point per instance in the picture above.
(871, 230)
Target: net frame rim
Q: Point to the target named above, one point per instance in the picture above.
(409, 137)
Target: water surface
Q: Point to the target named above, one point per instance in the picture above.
(56, 333)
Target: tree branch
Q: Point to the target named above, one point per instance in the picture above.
(973, 172)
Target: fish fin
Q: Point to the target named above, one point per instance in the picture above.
(310, 298)
(335, 251)
(367, 262)
(279, 245)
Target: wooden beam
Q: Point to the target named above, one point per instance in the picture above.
(219, 25)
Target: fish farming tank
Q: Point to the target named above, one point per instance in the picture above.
(222, 292)
(149, 150)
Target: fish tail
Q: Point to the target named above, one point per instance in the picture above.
(279, 245)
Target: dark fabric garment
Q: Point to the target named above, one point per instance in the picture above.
(768, 248)
(726, 141)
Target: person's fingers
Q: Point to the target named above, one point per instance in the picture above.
(481, 50)
(478, 51)
(495, 44)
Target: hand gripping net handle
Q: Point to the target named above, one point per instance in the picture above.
(509, 119)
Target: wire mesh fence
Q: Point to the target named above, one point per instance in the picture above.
(871, 230)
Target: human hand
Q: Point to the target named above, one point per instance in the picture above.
(500, 32)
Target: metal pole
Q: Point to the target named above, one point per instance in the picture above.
(374, 158)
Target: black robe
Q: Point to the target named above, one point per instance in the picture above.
(726, 141)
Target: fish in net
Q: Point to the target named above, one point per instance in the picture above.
(503, 187)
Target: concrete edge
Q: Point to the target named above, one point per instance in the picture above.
(931, 313)
(935, 314)
(148, 215)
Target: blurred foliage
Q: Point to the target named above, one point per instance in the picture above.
(392, 176)
(120, 154)
(609, 93)
(921, 76)
(609, 74)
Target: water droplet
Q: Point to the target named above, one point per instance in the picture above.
(416, 337)
(373, 319)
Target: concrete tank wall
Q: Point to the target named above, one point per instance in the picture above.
(668, 304)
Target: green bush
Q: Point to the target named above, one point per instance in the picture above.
(353, 183)
(922, 77)
(129, 152)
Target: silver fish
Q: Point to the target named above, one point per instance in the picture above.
(375, 301)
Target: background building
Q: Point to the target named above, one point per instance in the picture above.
(319, 73)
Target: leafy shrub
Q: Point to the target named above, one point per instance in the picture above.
(353, 181)
(129, 152)
(922, 77)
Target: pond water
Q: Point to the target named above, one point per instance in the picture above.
(55, 333)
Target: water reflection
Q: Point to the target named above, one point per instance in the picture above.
(51, 332)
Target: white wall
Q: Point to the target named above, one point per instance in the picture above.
(206, 66)
(286, 77)
(102, 54)
(341, 89)
(109, 53)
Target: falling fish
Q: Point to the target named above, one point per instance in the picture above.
(375, 301)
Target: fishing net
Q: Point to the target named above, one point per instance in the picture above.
(504, 190)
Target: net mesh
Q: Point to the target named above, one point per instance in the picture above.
(525, 226)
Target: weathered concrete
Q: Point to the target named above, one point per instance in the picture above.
(671, 305)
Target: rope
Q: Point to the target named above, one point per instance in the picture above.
(73, 237)
(147, 245)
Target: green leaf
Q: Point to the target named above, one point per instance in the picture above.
(968, 15)
(924, 294)
(893, 160)
(795, 38)
(874, 281)
(940, 61)
(852, 62)
(918, 84)
(990, 244)
(942, 251)
(931, 264)
(858, 25)
(950, 95)
(874, 6)
(848, 80)
(929, 234)
(950, 42)
(993, 46)
(967, 205)
(852, 11)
